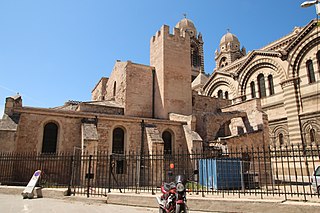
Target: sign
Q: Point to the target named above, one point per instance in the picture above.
(28, 191)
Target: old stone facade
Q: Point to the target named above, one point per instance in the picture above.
(173, 105)
(283, 76)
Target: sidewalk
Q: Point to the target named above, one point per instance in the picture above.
(209, 203)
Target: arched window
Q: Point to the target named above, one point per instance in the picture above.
(310, 70)
(318, 60)
(281, 139)
(118, 148)
(261, 86)
(167, 139)
(220, 94)
(114, 88)
(226, 95)
(271, 86)
(223, 62)
(253, 90)
(312, 135)
(50, 135)
(195, 57)
(118, 141)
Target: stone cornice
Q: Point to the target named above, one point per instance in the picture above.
(298, 38)
(289, 82)
(77, 114)
(253, 54)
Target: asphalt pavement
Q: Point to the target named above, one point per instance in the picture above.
(54, 201)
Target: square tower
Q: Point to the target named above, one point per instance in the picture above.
(170, 55)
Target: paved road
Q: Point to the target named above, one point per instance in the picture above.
(16, 204)
(10, 203)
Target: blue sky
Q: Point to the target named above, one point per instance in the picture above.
(52, 51)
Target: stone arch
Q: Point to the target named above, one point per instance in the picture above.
(254, 67)
(306, 128)
(168, 138)
(299, 53)
(219, 82)
(50, 137)
(276, 131)
(118, 139)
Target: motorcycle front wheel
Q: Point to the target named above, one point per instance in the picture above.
(181, 208)
(161, 210)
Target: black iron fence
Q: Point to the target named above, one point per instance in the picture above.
(287, 171)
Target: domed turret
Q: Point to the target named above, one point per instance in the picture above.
(186, 25)
(229, 42)
(229, 50)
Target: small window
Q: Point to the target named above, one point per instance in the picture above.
(226, 95)
(271, 87)
(318, 59)
(310, 70)
(312, 135)
(262, 86)
(118, 141)
(114, 89)
(253, 90)
(220, 94)
(49, 142)
(281, 139)
(167, 139)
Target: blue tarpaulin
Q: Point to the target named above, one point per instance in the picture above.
(223, 173)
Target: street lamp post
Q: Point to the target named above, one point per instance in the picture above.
(316, 3)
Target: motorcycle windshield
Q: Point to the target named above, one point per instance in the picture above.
(181, 179)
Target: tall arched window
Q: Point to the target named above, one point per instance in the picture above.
(270, 83)
(220, 94)
(195, 57)
(118, 148)
(118, 141)
(253, 90)
(50, 135)
(261, 86)
(226, 95)
(310, 70)
(318, 60)
(281, 139)
(312, 135)
(114, 88)
(167, 139)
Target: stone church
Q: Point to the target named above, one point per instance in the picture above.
(264, 97)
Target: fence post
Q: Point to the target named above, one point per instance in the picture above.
(89, 175)
(71, 176)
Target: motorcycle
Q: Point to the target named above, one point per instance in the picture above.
(173, 198)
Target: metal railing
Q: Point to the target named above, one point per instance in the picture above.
(286, 171)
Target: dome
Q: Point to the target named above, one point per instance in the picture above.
(187, 25)
(229, 41)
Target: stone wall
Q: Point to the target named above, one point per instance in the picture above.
(116, 86)
(7, 140)
(83, 107)
(32, 122)
(31, 128)
(99, 92)
(139, 90)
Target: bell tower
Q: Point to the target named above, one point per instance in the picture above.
(229, 50)
(196, 46)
